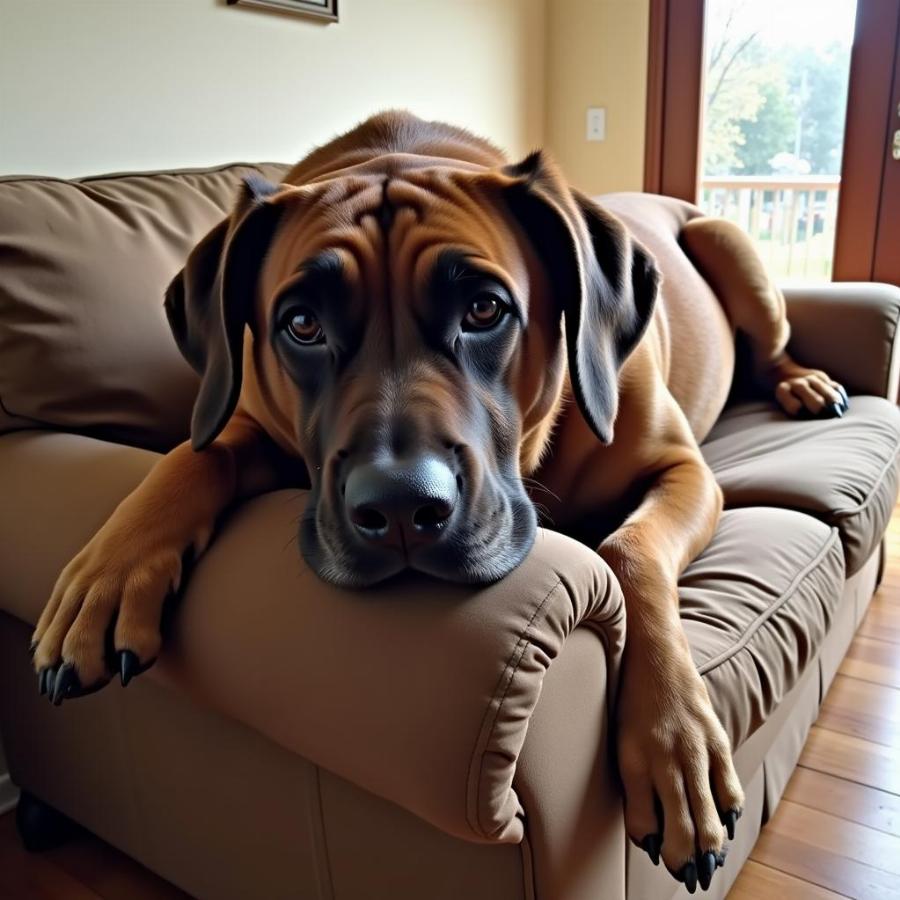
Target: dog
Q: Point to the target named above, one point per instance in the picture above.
(412, 325)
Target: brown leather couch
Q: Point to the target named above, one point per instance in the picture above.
(420, 740)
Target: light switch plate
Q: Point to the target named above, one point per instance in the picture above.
(596, 123)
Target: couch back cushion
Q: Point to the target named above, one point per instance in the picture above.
(84, 264)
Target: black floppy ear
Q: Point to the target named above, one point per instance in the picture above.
(605, 283)
(211, 299)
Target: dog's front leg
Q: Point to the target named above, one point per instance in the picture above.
(674, 756)
(105, 609)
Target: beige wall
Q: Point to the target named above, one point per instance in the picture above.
(597, 56)
(90, 86)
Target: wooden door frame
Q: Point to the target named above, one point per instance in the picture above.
(674, 116)
(674, 119)
(862, 227)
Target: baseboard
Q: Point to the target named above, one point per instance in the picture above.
(9, 794)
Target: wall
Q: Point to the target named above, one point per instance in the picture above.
(597, 56)
(104, 85)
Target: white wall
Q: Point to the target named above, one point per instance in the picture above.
(89, 86)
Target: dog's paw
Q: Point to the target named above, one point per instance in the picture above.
(103, 616)
(682, 794)
(812, 393)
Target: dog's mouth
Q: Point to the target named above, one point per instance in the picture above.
(470, 547)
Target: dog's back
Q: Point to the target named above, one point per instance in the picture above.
(695, 337)
(395, 132)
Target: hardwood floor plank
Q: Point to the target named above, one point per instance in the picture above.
(846, 799)
(759, 882)
(831, 852)
(863, 709)
(837, 836)
(851, 757)
(873, 660)
(882, 620)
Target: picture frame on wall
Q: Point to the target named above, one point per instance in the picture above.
(326, 10)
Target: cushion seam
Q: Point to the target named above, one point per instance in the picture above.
(509, 674)
(112, 176)
(873, 490)
(892, 348)
(754, 627)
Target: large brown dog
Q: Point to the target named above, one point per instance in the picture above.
(405, 291)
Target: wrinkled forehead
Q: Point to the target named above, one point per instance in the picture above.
(383, 236)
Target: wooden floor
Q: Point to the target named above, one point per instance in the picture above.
(835, 834)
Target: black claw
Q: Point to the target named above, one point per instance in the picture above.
(837, 410)
(50, 682)
(31, 648)
(66, 684)
(42, 681)
(129, 666)
(841, 390)
(651, 844)
(688, 875)
(707, 863)
(729, 820)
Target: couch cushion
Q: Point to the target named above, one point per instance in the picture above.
(843, 471)
(83, 267)
(756, 605)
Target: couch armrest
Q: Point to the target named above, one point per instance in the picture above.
(418, 691)
(850, 330)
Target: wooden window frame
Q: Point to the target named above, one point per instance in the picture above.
(675, 119)
(864, 230)
(674, 98)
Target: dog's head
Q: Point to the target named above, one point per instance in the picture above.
(407, 338)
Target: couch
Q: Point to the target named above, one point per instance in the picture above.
(418, 740)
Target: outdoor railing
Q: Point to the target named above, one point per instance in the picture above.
(791, 219)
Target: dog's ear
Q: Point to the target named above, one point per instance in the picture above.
(604, 282)
(211, 300)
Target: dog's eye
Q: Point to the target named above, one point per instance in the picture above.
(485, 311)
(304, 327)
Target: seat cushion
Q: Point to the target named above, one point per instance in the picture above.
(843, 471)
(756, 605)
(83, 268)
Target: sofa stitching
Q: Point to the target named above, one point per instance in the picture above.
(508, 676)
(756, 625)
(320, 845)
(892, 349)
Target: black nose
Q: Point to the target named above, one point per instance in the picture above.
(409, 501)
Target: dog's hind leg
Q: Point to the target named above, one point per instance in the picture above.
(755, 306)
